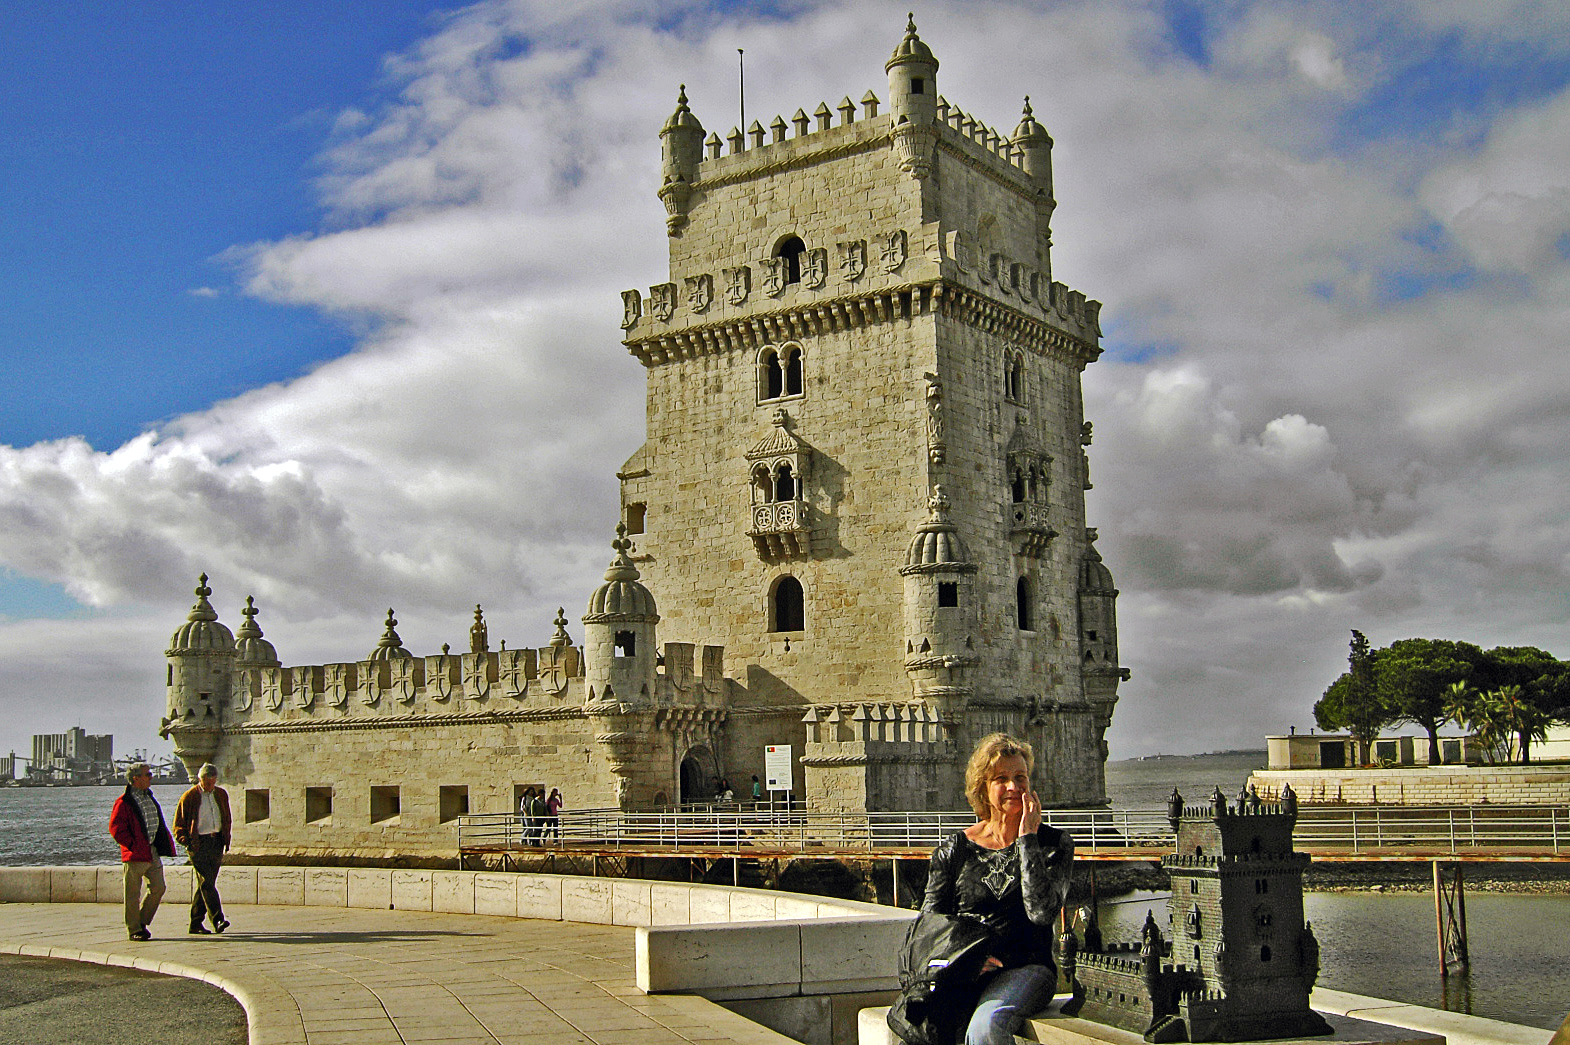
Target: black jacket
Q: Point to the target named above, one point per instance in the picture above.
(1015, 892)
(939, 977)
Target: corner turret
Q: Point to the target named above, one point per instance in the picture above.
(913, 79)
(390, 646)
(681, 151)
(618, 633)
(201, 657)
(250, 649)
(1098, 635)
(1034, 145)
(941, 620)
(913, 102)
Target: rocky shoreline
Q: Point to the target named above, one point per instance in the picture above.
(1393, 876)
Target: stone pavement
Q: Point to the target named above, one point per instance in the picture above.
(344, 976)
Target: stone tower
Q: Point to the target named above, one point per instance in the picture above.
(201, 658)
(860, 310)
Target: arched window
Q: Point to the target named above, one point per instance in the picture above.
(789, 609)
(1023, 606)
(1017, 485)
(762, 486)
(770, 380)
(1014, 378)
(785, 484)
(792, 371)
(791, 249)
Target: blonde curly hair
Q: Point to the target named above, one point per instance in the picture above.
(989, 749)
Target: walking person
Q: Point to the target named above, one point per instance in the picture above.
(553, 806)
(201, 824)
(536, 830)
(137, 823)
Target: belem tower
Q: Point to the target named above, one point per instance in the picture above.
(856, 527)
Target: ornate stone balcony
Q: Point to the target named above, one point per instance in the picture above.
(1029, 527)
(780, 530)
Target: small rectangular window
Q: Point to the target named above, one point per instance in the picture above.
(626, 643)
(635, 517)
(385, 804)
(948, 593)
(258, 804)
(453, 802)
(918, 85)
(318, 804)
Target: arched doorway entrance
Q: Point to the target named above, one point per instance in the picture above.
(699, 771)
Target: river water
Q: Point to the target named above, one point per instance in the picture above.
(1378, 944)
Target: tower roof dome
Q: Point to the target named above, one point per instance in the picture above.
(683, 117)
(391, 646)
(937, 541)
(1029, 130)
(910, 49)
(249, 646)
(201, 632)
(1093, 573)
(622, 597)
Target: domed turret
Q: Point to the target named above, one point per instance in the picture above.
(618, 632)
(1094, 577)
(250, 649)
(937, 541)
(1036, 145)
(200, 682)
(681, 149)
(940, 611)
(913, 103)
(201, 631)
(1098, 635)
(390, 646)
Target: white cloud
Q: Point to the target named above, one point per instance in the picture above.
(1299, 449)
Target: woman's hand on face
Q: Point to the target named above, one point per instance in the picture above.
(1030, 814)
(990, 965)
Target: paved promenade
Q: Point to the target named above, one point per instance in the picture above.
(334, 976)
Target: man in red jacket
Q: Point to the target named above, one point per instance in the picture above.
(137, 823)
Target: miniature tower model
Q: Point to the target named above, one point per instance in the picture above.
(860, 310)
(1240, 961)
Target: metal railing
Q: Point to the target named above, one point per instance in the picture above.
(781, 830)
(1332, 830)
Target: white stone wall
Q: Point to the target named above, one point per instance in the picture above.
(1423, 785)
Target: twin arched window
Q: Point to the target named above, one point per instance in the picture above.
(779, 372)
(771, 487)
(1014, 377)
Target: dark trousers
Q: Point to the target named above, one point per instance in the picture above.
(207, 856)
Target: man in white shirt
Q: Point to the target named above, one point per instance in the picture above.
(201, 824)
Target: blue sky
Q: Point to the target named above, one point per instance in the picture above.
(320, 298)
(138, 143)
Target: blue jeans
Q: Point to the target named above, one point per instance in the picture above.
(1012, 995)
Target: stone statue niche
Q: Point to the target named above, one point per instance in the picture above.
(1237, 961)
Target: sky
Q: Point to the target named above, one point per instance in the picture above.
(322, 298)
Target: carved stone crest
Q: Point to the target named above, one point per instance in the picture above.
(335, 685)
(476, 675)
(272, 688)
(401, 680)
(245, 689)
(894, 250)
(774, 276)
(700, 292)
(438, 676)
(631, 309)
(853, 259)
(302, 686)
(369, 683)
(815, 267)
(662, 300)
(738, 284)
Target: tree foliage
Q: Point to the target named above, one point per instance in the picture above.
(1507, 696)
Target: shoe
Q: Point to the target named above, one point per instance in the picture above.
(220, 925)
(142, 934)
(200, 930)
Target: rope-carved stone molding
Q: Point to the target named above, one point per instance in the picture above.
(875, 758)
(861, 311)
